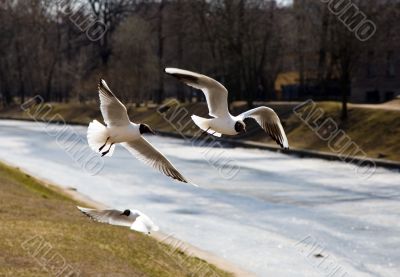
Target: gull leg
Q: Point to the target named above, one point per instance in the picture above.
(106, 152)
(101, 148)
(206, 131)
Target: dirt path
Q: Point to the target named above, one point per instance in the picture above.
(393, 105)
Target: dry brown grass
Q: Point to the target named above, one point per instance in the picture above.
(375, 131)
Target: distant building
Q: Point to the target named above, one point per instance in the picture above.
(287, 88)
(378, 77)
(376, 80)
(286, 85)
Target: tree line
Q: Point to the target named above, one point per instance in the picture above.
(59, 48)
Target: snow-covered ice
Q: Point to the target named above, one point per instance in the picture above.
(271, 218)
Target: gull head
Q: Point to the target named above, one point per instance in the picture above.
(145, 129)
(240, 127)
(126, 212)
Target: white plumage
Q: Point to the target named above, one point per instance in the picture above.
(120, 129)
(223, 122)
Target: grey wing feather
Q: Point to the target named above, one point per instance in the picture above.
(270, 122)
(112, 217)
(145, 152)
(113, 111)
(216, 94)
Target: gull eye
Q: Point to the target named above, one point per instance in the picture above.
(239, 127)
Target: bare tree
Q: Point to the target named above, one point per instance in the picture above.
(110, 13)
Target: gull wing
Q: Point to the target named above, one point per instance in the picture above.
(113, 111)
(112, 217)
(216, 94)
(144, 151)
(270, 122)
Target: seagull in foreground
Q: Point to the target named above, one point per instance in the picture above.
(120, 129)
(135, 220)
(223, 122)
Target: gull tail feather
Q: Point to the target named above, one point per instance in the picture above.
(97, 135)
(203, 124)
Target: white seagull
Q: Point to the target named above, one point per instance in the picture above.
(121, 130)
(223, 122)
(135, 219)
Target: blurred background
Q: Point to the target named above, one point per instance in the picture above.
(261, 50)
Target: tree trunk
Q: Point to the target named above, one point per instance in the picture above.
(323, 53)
(180, 89)
(53, 66)
(21, 90)
(4, 86)
(301, 43)
(160, 91)
(345, 87)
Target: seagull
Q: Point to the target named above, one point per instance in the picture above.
(120, 129)
(223, 122)
(135, 220)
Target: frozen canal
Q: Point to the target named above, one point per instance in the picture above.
(277, 216)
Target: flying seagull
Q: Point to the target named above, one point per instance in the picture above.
(135, 220)
(223, 123)
(121, 130)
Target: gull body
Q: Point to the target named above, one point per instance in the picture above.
(219, 125)
(120, 130)
(120, 134)
(222, 121)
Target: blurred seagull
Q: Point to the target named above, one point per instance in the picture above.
(223, 122)
(121, 130)
(135, 220)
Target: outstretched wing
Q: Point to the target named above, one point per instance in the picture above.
(216, 94)
(269, 121)
(145, 152)
(112, 217)
(113, 111)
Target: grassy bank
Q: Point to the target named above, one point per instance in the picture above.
(41, 231)
(375, 131)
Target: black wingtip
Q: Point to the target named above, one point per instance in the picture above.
(103, 87)
(179, 179)
(281, 144)
(100, 84)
